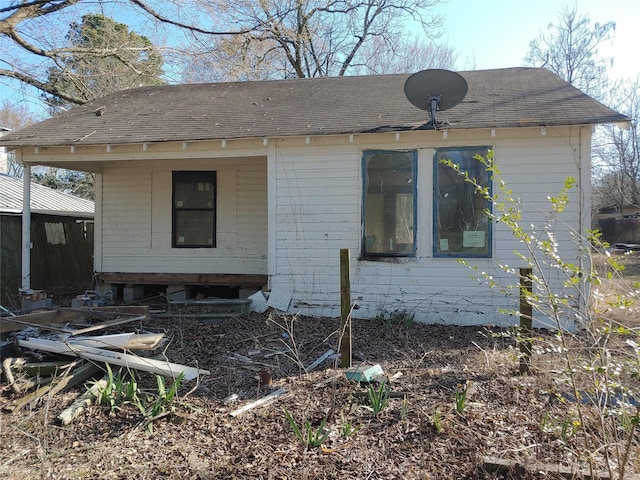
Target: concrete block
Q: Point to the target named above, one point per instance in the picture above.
(28, 304)
(132, 293)
(35, 299)
(108, 291)
(177, 292)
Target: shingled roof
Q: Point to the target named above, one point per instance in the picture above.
(511, 97)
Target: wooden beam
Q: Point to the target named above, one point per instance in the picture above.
(124, 341)
(225, 279)
(116, 358)
(345, 309)
(69, 379)
(55, 320)
(526, 320)
(82, 402)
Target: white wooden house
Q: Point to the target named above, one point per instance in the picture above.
(260, 184)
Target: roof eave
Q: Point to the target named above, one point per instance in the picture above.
(621, 121)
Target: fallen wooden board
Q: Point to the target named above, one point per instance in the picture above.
(70, 378)
(324, 356)
(260, 402)
(82, 402)
(117, 358)
(127, 341)
(55, 320)
(40, 369)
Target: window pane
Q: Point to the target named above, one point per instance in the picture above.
(461, 226)
(194, 228)
(389, 193)
(192, 192)
(194, 209)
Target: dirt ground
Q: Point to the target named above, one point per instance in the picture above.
(529, 420)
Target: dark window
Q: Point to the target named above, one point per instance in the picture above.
(194, 209)
(461, 227)
(389, 204)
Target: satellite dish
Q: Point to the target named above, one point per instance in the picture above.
(435, 90)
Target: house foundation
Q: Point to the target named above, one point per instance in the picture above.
(129, 287)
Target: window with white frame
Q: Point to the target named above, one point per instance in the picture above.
(461, 227)
(194, 209)
(389, 203)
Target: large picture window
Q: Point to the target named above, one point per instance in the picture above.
(194, 209)
(461, 227)
(389, 203)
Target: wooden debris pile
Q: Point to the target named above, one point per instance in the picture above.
(48, 351)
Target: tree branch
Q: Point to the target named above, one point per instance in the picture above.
(40, 85)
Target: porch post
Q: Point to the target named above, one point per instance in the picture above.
(26, 228)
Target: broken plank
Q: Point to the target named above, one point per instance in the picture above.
(127, 341)
(117, 358)
(41, 369)
(324, 356)
(260, 402)
(110, 323)
(68, 379)
(54, 320)
(74, 410)
(44, 320)
(7, 363)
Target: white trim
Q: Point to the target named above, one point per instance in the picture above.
(26, 228)
(97, 225)
(272, 231)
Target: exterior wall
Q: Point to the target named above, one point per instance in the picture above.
(135, 230)
(318, 197)
(61, 257)
(313, 187)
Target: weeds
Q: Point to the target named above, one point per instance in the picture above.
(158, 405)
(460, 399)
(122, 389)
(437, 421)
(310, 437)
(566, 297)
(348, 429)
(378, 397)
(388, 319)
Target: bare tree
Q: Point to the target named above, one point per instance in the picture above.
(406, 56)
(569, 49)
(32, 37)
(13, 117)
(254, 38)
(617, 154)
(309, 38)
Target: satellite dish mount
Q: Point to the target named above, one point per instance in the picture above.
(434, 103)
(435, 90)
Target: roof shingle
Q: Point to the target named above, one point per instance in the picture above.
(511, 97)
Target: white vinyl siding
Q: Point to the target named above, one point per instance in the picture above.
(137, 218)
(293, 203)
(319, 212)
